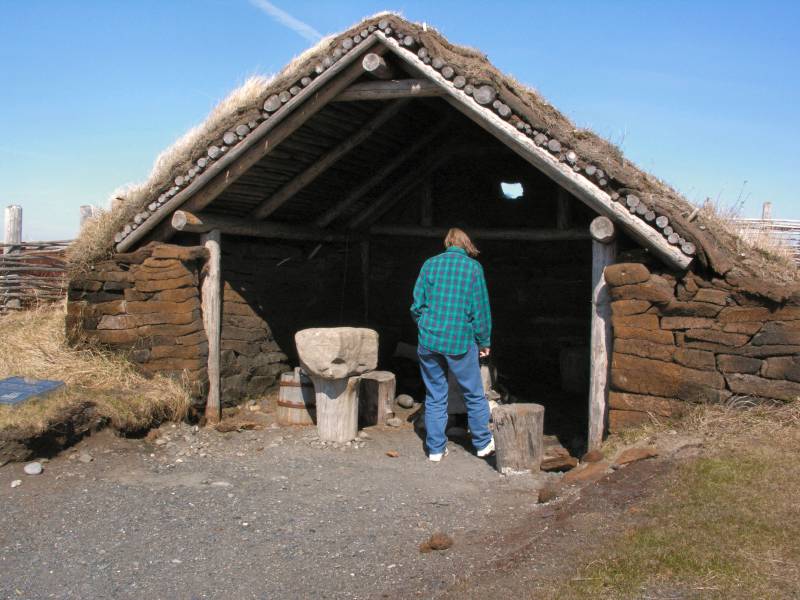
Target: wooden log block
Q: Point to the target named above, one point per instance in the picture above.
(602, 230)
(337, 408)
(375, 65)
(518, 437)
(484, 95)
(376, 397)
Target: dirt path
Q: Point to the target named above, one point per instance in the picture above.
(266, 514)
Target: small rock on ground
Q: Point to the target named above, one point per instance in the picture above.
(16, 483)
(591, 472)
(394, 422)
(593, 456)
(405, 401)
(34, 468)
(633, 454)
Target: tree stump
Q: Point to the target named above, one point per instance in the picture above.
(376, 397)
(518, 437)
(337, 408)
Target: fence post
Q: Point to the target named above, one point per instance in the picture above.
(87, 212)
(766, 211)
(13, 233)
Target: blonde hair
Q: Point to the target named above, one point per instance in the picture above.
(457, 237)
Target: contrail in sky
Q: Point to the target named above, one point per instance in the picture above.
(287, 20)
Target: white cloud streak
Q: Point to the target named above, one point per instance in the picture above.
(281, 16)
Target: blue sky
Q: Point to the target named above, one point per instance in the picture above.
(704, 94)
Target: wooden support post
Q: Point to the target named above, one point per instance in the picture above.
(604, 250)
(212, 322)
(13, 231)
(426, 205)
(519, 437)
(376, 397)
(563, 209)
(365, 278)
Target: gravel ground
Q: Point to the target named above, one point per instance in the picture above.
(252, 514)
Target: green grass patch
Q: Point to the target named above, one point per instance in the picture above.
(727, 527)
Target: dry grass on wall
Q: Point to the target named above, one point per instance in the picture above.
(34, 345)
(764, 249)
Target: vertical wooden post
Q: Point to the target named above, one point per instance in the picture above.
(212, 322)
(13, 232)
(365, 278)
(604, 250)
(563, 209)
(426, 205)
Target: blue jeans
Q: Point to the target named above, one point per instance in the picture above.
(467, 371)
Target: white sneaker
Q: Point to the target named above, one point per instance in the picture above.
(438, 456)
(488, 450)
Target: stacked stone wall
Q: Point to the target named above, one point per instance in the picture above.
(147, 305)
(686, 339)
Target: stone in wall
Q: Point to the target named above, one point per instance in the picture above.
(686, 339)
(146, 304)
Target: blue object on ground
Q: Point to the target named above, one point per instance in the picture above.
(14, 390)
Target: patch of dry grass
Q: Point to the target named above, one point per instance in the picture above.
(767, 253)
(727, 525)
(34, 345)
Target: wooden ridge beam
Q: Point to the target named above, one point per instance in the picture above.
(562, 174)
(516, 234)
(390, 90)
(207, 186)
(204, 222)
(379, 176)
(326, 161)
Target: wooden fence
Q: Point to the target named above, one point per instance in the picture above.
(785, 232)
(31, 272)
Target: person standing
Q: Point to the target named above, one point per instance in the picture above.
(454, 321)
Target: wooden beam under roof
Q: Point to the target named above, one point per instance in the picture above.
(562, 174)
(207, 186)
(324, 162)
(188, 222)
(390, 90)
(516, 234)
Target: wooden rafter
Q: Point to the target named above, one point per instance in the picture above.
(380, 175)
(562, 174)
(326, 161)
(398, 190)
(206, 187)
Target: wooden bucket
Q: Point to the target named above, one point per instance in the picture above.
(296, 399)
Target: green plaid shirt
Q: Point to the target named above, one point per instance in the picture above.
(451, 303)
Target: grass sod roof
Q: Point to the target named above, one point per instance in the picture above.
(719, 249)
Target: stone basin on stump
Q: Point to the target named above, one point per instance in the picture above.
(334, 358)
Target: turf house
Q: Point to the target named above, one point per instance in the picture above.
(312, 198)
